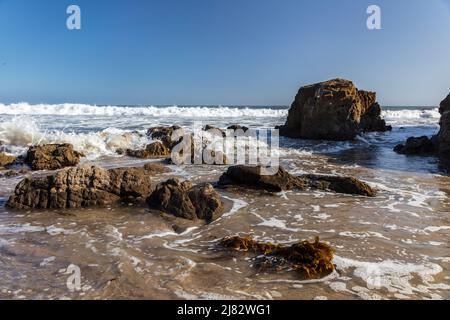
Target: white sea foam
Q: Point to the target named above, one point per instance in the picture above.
(68, 109)
(412, 116)
(21, 132)
(395, 276)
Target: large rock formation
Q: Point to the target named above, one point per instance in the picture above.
(253, 177)
(82, 187)
(444, 133)
(184, 200)
(6, 160)
(52, 157)
(438, 145)
(333, 110)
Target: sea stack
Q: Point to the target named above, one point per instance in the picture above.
(333, 110)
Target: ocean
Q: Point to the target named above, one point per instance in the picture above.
(393, 246)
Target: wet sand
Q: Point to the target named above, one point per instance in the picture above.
(393, 246)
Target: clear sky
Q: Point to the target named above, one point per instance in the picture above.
(221, 51)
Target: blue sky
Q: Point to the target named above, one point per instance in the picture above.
(221, 51)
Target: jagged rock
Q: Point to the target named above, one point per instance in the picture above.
(184, 200)
(438, 145)
(371, 121)
(154, 150)
(81, 187)
(418, 146)
(164, 134)
(444, 133)
(252, 177)
(347, 185)
(6, 160)
(333, 110)
(52, 157)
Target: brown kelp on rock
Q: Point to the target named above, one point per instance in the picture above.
(313, 260)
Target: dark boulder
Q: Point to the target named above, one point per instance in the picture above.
(438, 145)
(346, 185)
(164, 134)
(333, 110)
(444, 133)
(186, 201)
(83, 186)
(52, 156)
(418, 146)
(252, 177)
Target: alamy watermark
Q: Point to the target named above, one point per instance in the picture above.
(73, 22)
(374, 19)
(200, 145)
(73, 282)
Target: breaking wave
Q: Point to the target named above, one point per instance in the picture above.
(68, 109)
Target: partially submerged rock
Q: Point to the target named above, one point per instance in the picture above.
(13, 173)
(254, 177)
(81, 187)
(333, 110)
(184, 200)
(6, 160)
(418, 146)
(438, 145)
(52, 156)
(164, 134)
(155, 168)
(347, 185)
(154, 150)
(311, 259)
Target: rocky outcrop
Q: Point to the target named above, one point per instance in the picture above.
(444, 133)
(52, 157)
(347, 185)
(253, 177)
(186, 201)
(438, 145)
(6, 160)
(164, 134)
(333, 110)
(154, 150)
(83, 186)
(418, 146)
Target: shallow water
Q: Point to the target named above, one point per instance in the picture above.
(393, 246)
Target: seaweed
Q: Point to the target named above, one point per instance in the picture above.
(312, 260)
